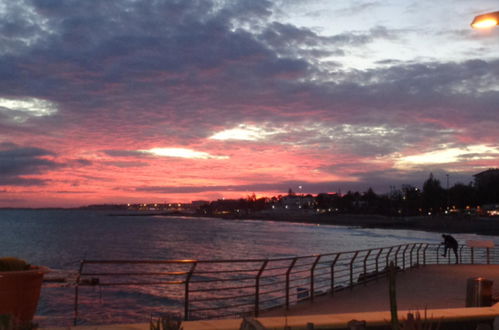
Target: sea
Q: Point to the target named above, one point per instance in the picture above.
(60, 239)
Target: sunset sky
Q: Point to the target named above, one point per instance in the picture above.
(121, 101)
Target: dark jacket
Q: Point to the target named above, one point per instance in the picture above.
(450, 241)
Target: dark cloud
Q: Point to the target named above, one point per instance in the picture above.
(17, 162)
(362, 38)
(187, 60)
(381, 181)
(100, 53)
(284, 35)
(126, 164)
(308, 187)
(19, 28)
(74, 192)
(358, 7)
(379, 184)
(123, 153)
(82, 162)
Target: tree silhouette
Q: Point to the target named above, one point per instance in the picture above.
(412, 199)
(433, 194)
(462, 195)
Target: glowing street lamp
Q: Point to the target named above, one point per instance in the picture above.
(486, 20)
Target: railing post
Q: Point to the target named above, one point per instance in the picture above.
(417, 253)
(78, 277)
(403, 256)
(312, 284)
(472, 255)
(388, 257)
(186, 293)
(488, 256)
(424, 254)
(397, 256)
(351, 268)
(365, 266)
(257, 288)
(332, 272)
(410, 255)
(288, 272)
(377, 263)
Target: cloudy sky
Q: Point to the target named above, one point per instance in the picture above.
(176, 100)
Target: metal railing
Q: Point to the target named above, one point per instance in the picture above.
(201, 289)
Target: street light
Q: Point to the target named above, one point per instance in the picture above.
(486, 20)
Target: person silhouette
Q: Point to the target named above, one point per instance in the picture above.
(450, 243)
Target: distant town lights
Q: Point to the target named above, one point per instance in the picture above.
(486, 20)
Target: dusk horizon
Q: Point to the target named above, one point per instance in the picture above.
(137, 101)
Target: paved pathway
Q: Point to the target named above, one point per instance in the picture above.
(431, 287)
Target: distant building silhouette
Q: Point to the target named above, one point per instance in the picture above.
(487, 186)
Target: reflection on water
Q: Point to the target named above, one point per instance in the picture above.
(59, 239)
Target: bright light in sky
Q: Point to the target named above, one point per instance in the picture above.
(20, 110)
(244, 133)
(451, 155)
(181, 153)
(487, 23)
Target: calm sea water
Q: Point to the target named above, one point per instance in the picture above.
(59, 239)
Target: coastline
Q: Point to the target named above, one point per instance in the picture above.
(441, 224)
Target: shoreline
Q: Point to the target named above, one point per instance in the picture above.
(454, 224)
(442, 224)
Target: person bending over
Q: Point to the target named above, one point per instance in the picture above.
(450, 243)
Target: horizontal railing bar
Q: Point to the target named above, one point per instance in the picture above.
(273, 283)
(186, 261)
(226, 271)
(271, 291)
(325, 286)
(133, 283)
(223, 288)
(214, 261)
(300, 271)
(221, 307)
(222, 298)
(272, 275)
(297, 286)
(222, 280)
(134, 274)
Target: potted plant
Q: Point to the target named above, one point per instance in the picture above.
(20, 285)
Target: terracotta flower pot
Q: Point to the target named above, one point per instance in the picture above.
(19, 293)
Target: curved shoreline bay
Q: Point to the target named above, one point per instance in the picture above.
(443, 224)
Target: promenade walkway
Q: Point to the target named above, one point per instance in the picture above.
(431, 287)
(441, 289)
